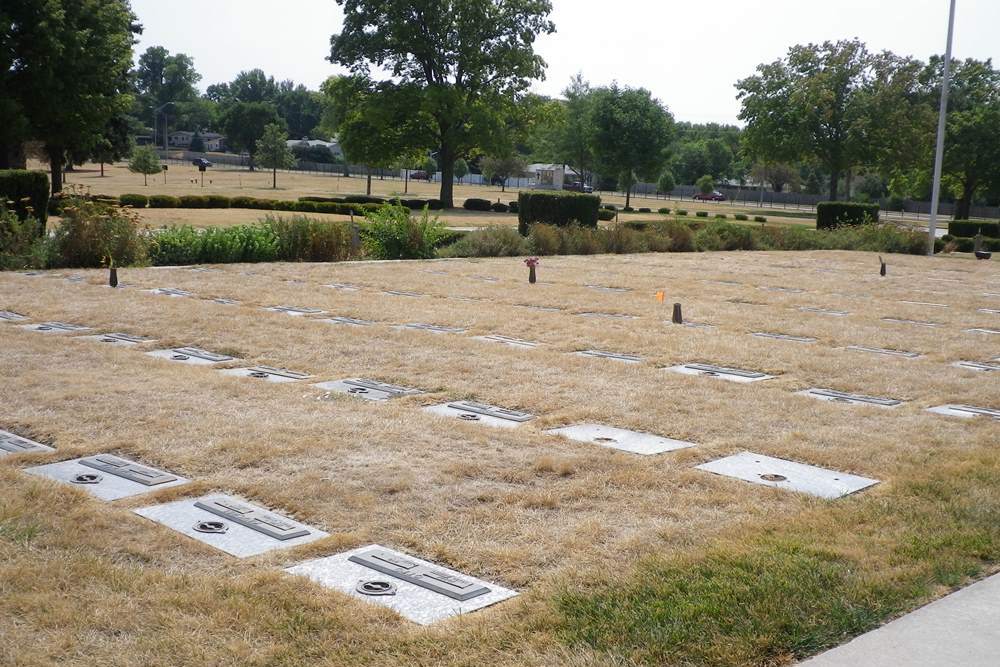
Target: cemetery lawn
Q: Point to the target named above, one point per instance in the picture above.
(620, 559)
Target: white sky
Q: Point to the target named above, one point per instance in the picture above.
(688, 53)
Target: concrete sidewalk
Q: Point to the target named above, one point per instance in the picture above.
(960, 630)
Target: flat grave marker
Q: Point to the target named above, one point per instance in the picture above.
(11, 443)
(507, 340)
(782, 474)
(544, 309)
(412, 295)
(371, 390)
(610, 316)
(191, 355)
(977, 366)
(965, 411)
(622, 439)
(926, 304)
(349, 321)
(232, 524)
(344, 287)
(852, 399)
(431, 328)
(787, 290)
(108, 477)
(990, 332)
(916, 323)
(119, 339)
(785, 337)
(486, 279)
(11, 316)
(989, 311)
(172, 292)
(613, 290)
(721, 372)
(417, 589)
(481, 413)
(824, 311)
(884, 351)
(61, 328)
(225, 302)
(295, 311)
(269, 373)
(613, 356)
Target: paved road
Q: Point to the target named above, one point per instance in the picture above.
(960, 630)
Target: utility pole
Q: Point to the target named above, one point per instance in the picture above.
(942, 128)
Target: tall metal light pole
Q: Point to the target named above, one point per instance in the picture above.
(942, 127)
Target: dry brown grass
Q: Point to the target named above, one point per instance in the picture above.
(91, 583)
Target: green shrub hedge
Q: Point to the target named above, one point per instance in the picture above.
(721, 216)
(135, 201)
(968, 228)
(628, 209)
(830, 214)
(556, 208)
(512, 206)
(663, 211)
(605, 215)
(966, 244)
(701, 214)
(742, 217)
(475, 204)
(682, 211)
(759, 218)
(29, 193)
(164, 201)
(500, 207)
(645, 210)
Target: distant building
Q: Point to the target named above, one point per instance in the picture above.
(547, 176)
(332, 146)
(214, 142)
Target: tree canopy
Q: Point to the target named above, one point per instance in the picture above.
(244, 124)
(466, 61)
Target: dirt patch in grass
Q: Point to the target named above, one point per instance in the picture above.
(92, 582)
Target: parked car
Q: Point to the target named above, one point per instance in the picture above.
(201, 162)
(711, 196)
(578, 186)
(419, 176)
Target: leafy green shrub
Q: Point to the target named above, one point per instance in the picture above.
(645, 210)
(217, 201)
(720, 235)
(970, 228)
(164, 201)
(194, 201)
(830, 214)
(681, 212)
(605, 215)
(701, 214)
(392, 233)
(135, 201)
(302, 239)
(628, 209)
(637, 225)
(500, 207)
(622, 240)
(28, 194)
(721, 216)
(512, 206)
(20, 245)
(609, 207)
(214, 245)
(494, 241)
(363, 199)
(93, 234)
(663, 211)
(759, 218)
(435, 204)
(475, 204)
(250, 202)
(328, 200)
(965, 244)
(681, 235)
(556, 208)
(742, 217)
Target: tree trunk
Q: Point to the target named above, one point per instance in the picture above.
(834, 184)
(56, 156)
(406, 181)
(628, 196)
(368, 188)
(446, 163)
(963, 207)
(102, 169)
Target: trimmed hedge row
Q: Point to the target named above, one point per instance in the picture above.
(968, 228)
(475, 204)
(831, 214)
(304, 205)
(605, 215)
(556, 208)
(26, 189)
(966, 244)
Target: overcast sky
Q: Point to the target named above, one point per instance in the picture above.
(688, 53)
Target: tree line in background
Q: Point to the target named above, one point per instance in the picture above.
(443, 86)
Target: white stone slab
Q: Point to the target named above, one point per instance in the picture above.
(965, 411)
(412, 295)
(622, 439)
(225, 302)
(851, 399)
(693, 325)
(56, 328)
(118, 339)
(916, 323)
(613, 356)
(785, 337)
(782, 474)
(486, 279)
(481, 413)
(544, 309)
(11, 316)
(295, 311)
(371, 390)
(172, 292)
(603, 288)
(721, 372)
(413, 602)
(11, 443)
(789, 290)
(926, 304)
(269, 373)
(431, 328)
(976, 366)
(344, 287)
(991, 332)
(824, 311)
(349, 321)
(237, 539)
(507, 340)
(989, 311)
(102, 484)
(191, 355)
(610, 316)
(884, 351)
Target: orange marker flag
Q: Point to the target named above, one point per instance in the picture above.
(660, 296)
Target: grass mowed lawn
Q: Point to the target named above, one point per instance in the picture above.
(619, 558)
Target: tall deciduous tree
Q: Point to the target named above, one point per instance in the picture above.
(244, 123)
(503, 168)
(632, 132)
(468, 59)
(70, 74)
(273, 152)
(836, 104)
